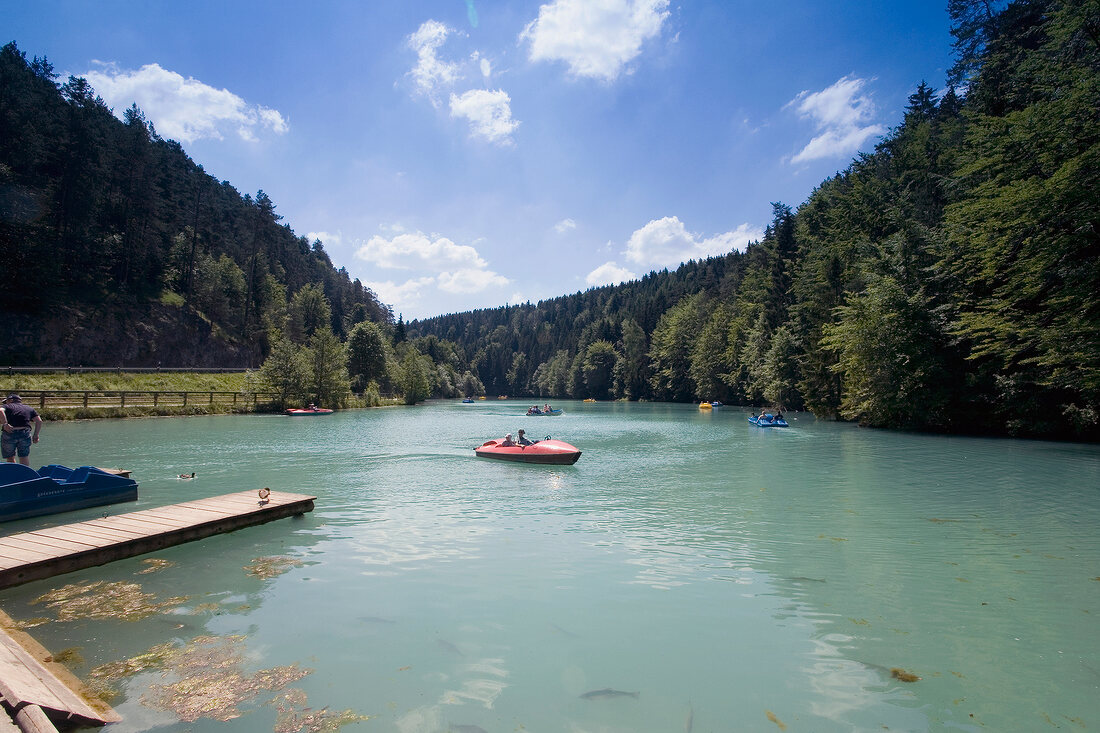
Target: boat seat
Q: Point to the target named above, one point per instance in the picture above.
(14, 473)
(79, 475)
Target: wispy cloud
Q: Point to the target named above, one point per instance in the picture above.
(430, 72)
(843, 118)
(609, 273)
(565, 225)
(597, 39)
(184, 109)
(489, 114)
(667, 243)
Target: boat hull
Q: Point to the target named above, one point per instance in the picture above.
(25, 492)
(552, 413)
(554, 452)
(308, 413)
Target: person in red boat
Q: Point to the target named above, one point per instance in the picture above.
(507, 442)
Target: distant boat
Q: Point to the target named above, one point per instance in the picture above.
(589, 399)
(705, 406)
(308, 411)
(769, 421)
(716, 403)
(25, 492)
(534, 412)
(468, 401)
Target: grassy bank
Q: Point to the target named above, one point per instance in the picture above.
(138, 382)
(240, 382)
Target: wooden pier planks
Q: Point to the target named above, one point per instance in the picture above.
(27, 681)
(43, 553)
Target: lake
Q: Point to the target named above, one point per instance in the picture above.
(690, 573)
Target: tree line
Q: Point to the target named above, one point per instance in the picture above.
(946, 281)
(97, 210)
(949, 280)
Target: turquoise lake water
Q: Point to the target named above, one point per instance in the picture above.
(734, 578)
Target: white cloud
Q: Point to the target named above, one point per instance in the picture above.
(667, 243)
(469, 280)
(402, 296)
(441, 264)
(609, 273)
(183, 109)
(419, 251)
(489, 114)
(430, 72)
(565, 225)
(596, 38)
(484, 65)
(842, 117)
(328, 239)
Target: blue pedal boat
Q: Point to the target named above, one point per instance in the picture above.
(769, 421)
(25, 492)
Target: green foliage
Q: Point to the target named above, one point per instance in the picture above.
(327, 368)
(286, 373)
(414, 380)
(308, 312)
(368, 355)
(670, 349)
(886, 345)
(600, 362)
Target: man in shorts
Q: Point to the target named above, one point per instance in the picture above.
(16, 420)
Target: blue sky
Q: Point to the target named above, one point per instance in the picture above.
(462, 154)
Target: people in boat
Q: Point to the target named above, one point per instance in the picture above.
(522, 439)
(547, 408)
(312, 407)
(187, 475)
(507, 442)
(779, 415)
(534, 410)
(763, 415)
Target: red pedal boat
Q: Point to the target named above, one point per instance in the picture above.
(309, 411)
(544, 451)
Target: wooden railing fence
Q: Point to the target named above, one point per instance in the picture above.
(137, 398)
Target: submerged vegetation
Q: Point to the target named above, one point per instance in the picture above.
(102, 599)
(208, 680)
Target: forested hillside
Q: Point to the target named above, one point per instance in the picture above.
(950, 280)
(119, 250)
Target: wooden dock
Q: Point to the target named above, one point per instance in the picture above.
(38, 690)
(44, 553)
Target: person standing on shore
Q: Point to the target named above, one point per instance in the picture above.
(16, 420)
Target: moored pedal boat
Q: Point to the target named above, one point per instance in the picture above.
(25, 492)
(552, 451)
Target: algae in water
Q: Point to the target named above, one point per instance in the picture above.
(295, 715)
(210, 680)
(270, 567)
(103, 600)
